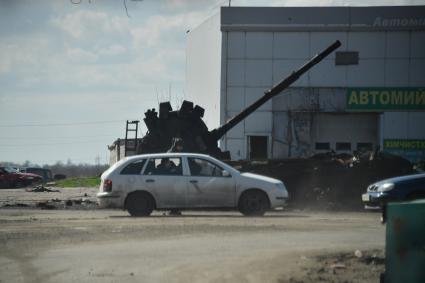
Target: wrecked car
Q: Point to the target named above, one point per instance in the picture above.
(11, 178)
(167, 181)
(45, 173)
(403, 188)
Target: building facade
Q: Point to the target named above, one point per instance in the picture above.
(369, 93)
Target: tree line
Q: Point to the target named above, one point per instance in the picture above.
(69, 168)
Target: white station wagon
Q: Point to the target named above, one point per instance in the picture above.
(182, 181)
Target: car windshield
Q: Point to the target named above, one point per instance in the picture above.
(10, 170)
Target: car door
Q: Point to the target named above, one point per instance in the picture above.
(3, 178)
(164, 178)
(207, 186)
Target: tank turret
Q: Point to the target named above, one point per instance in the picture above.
(186, 127)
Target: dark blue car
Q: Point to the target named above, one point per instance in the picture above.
(395, 189)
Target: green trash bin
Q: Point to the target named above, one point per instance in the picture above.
(405, 242)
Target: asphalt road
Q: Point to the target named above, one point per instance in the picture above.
(110, 246)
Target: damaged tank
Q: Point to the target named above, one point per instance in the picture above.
(184, 130)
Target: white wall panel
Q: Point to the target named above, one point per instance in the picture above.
(259, 122)
(327, 74)
(235, 98)
(417, 45)
(367, 73)
(236, 44)
(417, 72)
(397, 72)
(252, 94)
(258, 73)
(259, 45)
(283, 68)
(237, 148)
(203, 68)
(395, 125)
(416, 125)
(321, 40)
(235, 72)
(368, 44)
(397, 45)
(237, 131)
(291, 45)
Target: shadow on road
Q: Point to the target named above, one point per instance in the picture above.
(215, 216)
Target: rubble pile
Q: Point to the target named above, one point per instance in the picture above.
(329, 180)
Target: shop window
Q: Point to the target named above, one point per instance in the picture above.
(343, 146)
(323, 146)
(365, 146)
(347, 58)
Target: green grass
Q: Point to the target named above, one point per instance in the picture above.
(79, 182)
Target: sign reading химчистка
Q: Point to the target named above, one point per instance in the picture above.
(379, 99)
(413, 150)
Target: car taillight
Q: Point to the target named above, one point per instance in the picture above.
(107, 185)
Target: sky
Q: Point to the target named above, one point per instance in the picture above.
(73, 71)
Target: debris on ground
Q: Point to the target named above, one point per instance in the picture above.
(45, 205)
(41, 189)
(341, 267)
(358, 253)
(15, 205)
(328, 180)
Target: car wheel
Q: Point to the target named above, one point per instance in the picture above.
(139, 204)
(19, 184)
(416, 195)
(254, 203)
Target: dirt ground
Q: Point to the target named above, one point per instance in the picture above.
(86, 244)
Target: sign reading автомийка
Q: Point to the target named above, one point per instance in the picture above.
(378, 99)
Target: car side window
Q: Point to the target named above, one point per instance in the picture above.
(164, 166)
(202, 167)
(134, 168)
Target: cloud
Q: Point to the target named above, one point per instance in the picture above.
(160, 28)
(112, 50)
(84, 24)
(19, 52)
(80, 55)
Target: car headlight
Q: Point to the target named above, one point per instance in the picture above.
(385, 187)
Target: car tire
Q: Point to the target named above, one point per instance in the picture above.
(139, 204)
(253, 203)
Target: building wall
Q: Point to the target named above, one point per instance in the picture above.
(258, 59)
(203, 69)
(261, 46)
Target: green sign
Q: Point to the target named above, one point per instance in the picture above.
(378, 99)
(413, 150)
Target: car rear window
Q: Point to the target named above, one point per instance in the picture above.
(134, 168)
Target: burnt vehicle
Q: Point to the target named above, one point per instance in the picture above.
(11, 178)
(45, 173)
(185, 127)
(403, 188)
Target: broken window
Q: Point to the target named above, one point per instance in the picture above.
(343, 146)
(322, 146)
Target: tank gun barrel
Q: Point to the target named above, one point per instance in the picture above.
(278, 88)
